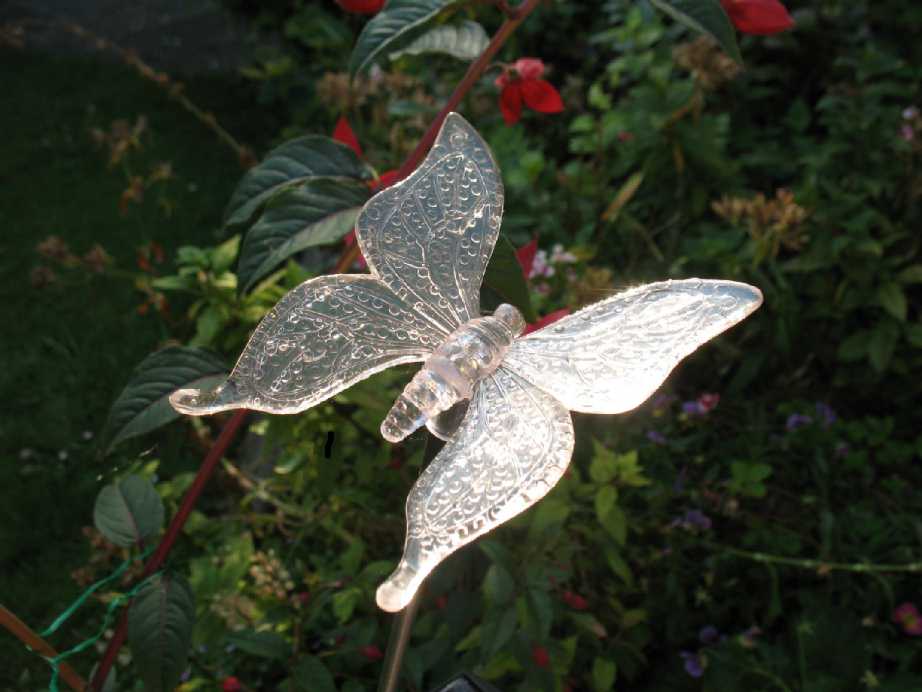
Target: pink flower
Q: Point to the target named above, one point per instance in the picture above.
(907, 616)
(521, 83)
(762, 17)
(371, 652)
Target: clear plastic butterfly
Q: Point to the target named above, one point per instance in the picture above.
(502, 401)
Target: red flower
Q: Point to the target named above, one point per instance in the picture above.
(361, 6)
(441, 602)
(761, 17)
(526, 256)
(521, 82)
(231, 684)
(546, 320)
(540, 656)
(907, 616)
(371, 652)
(575, 601)
(344, 134)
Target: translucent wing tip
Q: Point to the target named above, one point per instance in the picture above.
(749, 297)
(396, 593)
(201, 402)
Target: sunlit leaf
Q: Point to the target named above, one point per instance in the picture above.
(143, 406)
(399, 24)
(464, 40)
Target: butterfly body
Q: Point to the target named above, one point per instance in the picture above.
(470, 353)
(427, 241)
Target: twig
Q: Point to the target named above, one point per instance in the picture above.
(823, 565)
(25, 634)
(172, 533)
(474, 72)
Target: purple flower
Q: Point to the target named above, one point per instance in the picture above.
(797, 420)
(907, 132)
(656, 437)
(709, 634)
(186, 674)
(694, 663)
(693, 520)
(692, 408)
(825, 414)
(910, 113)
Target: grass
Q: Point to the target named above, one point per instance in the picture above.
(68, 348)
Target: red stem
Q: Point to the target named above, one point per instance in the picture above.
(515, 16)
(215, 454)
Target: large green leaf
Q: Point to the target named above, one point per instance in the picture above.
(289, 165)
(128, 511)
(399, 24)
(160, 624)
(504, 275)
(464, 40)
(143, 405)
(320, 212)
(707, 17)
(310, 675)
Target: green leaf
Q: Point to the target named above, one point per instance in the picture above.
(160, 624)
(128, 511)
(263, 644)
(321, 211)
(893, 300)
(399, 24)
(914, 334)
(615, 523)
(289, 165)
(911, 275)
(498, 584)
(464, 40)
(310, 675)
(855, 346)
(504, 275)
(604, 464)
(497, 630)
(706, 17)
(344, 603)
(143, 404)
(605, 500)
(882, 344)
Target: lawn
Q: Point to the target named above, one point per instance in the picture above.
(68, 347)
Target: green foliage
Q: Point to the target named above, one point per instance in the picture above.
(129, 511)
(143, 404)
(741, 541)
(706, 16)
(160, 622)
(396, 27)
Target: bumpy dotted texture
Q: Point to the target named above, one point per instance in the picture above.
(609, 357)
(512, 448)
(321, 338)
(430, 237)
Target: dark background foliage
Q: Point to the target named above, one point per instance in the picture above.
(753, 543)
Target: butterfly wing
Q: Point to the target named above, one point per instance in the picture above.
(321, 338)
(514, 444)
(430, 236)
(609, 357)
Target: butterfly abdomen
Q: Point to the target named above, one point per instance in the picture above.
(470, 353)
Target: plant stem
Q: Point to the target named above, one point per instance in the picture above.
(514, 17)
(228, 432)
(807, 563)
(25, 634)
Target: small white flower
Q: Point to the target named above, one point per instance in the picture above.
(87, 435)
(910, 113)
(62, 455)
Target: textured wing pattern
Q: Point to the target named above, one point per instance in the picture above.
(430, 236)
(611, 356)
(513, 446)
(321, 338)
